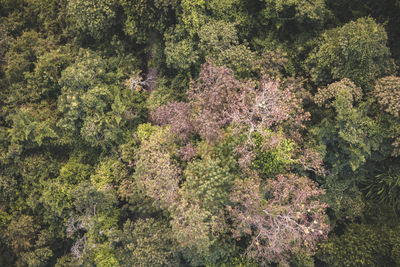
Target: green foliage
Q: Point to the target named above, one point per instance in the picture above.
(147, 242)
(92, 104)
(271, 162)
(357, 51)
(44, 80)
(105, 257)
(387, 92)
(145, 130)
(74, 172)
(237, 262)
(20, 233)
(345, 200)
(91, 17)
(384, 187)
(208, 181)
(349, 135)
(75, 81)
(22, 55)
(208, 29)
(360, 245)
(290, 18)
(56, 196)
(216, 36)
(196, 13)
(48, 14)
(228, 176)
(145, 18)
(164, 94)
(39, 257)
(110, 172)
(348, 138)
(32, 127)
(179, 50)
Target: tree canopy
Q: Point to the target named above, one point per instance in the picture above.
(199, 133)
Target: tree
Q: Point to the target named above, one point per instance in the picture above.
(179, 50)
(214, 23)
(95, 105)
(91, 71)
(272, 160)
(290, 18)
(384, 186)
(23, 54)
(356, 51)
(288, 221)
(32, 126)
(109, 173)
(147, 242)
(156, 173)
(92, 18)
(177, 116)
(91, 224)
(348, 134)
(360, 244)
(20, 234)
(44, 79)
(147, 17)
(387, 92)
(207, 182)
(56, 196)
(219, 86)
(347, 138)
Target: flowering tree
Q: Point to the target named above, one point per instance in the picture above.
(212, 97)
(253, 113)
(387, 92)
(177, 115)
(290, 221)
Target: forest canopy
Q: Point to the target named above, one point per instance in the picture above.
(199, 133)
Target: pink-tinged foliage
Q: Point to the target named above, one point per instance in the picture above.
(292, 220)
(387, 92)
(264, 107)
(177, 115)
(211, 98)
(187, 152)
(270, 105)
(246, 156)
(217, 99)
